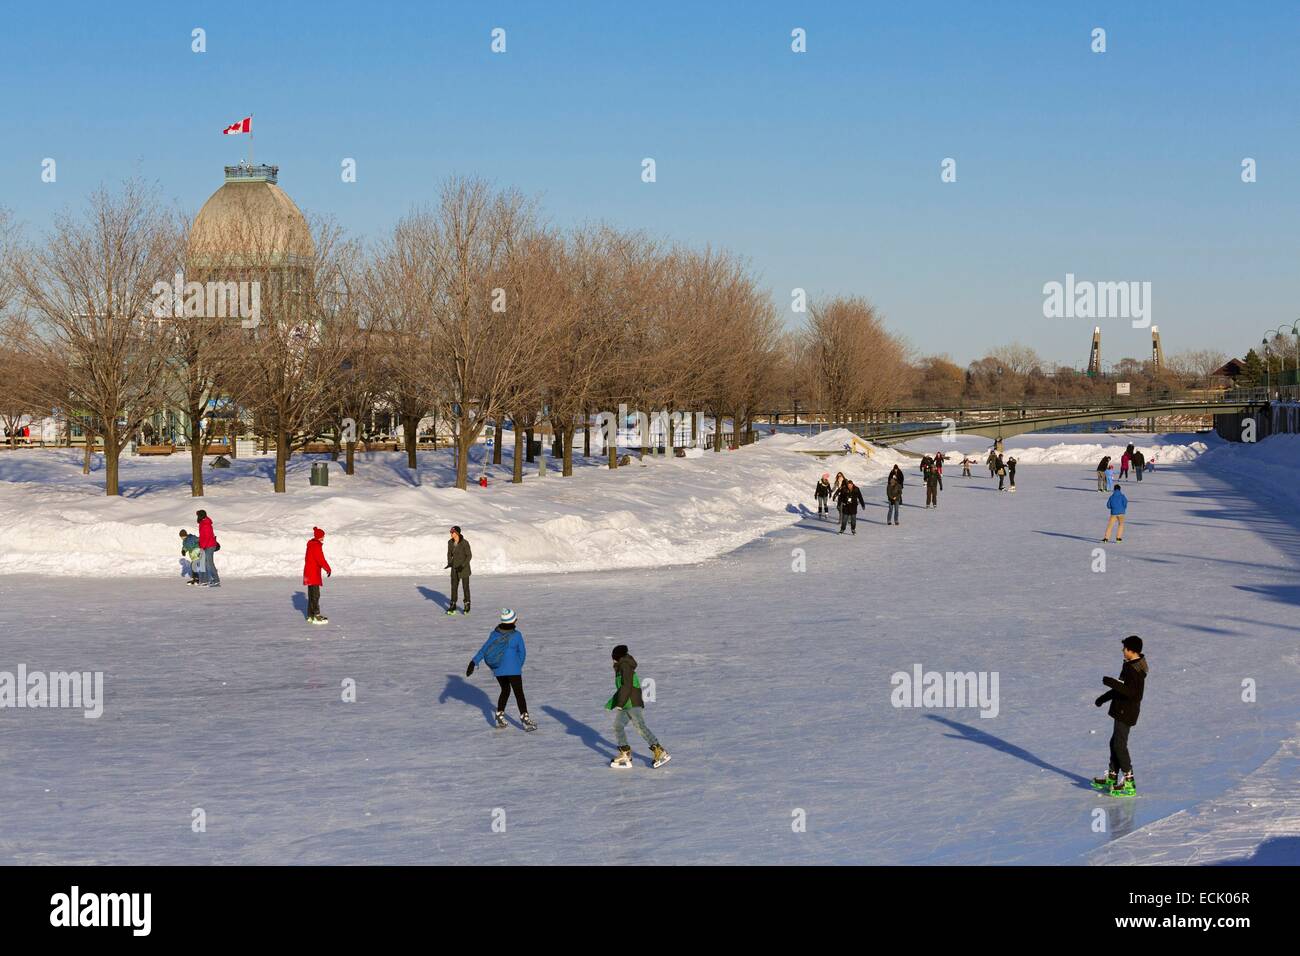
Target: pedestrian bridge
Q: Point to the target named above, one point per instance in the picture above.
(1004, 423)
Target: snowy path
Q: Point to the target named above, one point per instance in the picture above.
(773, 693)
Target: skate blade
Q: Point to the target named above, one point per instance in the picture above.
(659, 763)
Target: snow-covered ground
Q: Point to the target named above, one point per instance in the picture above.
(386, 520)
(772, 685)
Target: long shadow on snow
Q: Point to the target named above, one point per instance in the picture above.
(299, 601)
(457, 688)
(1275, 851)
(587, 734)
(437, 597)
(967, 732)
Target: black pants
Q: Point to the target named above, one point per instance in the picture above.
(458, 578)
(1119, 758)
(939, 475)
(313, 600)
(931, 496)
(515, 683)
(849, 518)
(1001, 480)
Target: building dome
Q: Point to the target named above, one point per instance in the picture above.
(250, 221)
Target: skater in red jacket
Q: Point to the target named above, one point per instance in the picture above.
(311, 575)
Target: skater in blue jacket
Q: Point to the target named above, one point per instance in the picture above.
(1117, 505)
(504, 653)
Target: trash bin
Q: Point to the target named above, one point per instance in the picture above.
(320, 473)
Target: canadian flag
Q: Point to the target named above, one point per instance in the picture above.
(245, 125)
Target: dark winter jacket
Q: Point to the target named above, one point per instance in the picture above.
(894, 490)
(1104, 463)
(315, 562)
(823, 489)
(849, 498)
(459, 556)
(1139, 459)
(1011, 468)
(1125, 694)
(932, 479)
(627, 689)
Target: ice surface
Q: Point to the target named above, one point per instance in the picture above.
(772, 685)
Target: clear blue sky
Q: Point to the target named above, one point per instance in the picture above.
(822, 168)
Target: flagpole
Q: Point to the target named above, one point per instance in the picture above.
(250, 139)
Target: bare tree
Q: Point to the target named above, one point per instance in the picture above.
(89, 287)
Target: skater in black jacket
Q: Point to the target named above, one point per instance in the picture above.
(894, 495)
(1011, 471)
(932, 485)
(822, 493)
(628, 702)
(458, 559)
(849, 497)
(1125, 696)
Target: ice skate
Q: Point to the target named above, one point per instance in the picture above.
(500, 718)
(624, 759)
(661, 756)
(528, 722)
(1104, 783)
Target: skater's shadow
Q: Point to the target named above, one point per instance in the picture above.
(300, 602)
(967, 732)
(457, 688)
(588, 735)
(1060, 534)
(1275, 851)
(826, 527)
(437, 597)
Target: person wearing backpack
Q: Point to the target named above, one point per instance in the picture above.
(504, 653)
(628, 702)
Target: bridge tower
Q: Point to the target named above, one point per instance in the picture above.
(1094, 357)
(1157, 352)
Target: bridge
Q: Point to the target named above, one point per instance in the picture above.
(1004, 420)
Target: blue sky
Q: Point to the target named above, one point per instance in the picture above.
(822, 168)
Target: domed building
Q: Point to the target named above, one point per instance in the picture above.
(250, 222)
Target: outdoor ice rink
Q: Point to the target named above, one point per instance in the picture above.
(772, 691)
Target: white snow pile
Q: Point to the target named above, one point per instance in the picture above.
(1082, 449)
(384, 520)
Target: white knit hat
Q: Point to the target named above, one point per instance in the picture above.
(507, 615)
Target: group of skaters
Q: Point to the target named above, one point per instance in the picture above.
(503, 652)
(847, 496)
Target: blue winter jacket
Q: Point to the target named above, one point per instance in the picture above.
(1117, 503)
(512, 664)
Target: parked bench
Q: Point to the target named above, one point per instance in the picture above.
(155, 449)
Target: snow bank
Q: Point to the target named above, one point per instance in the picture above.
(1076, 449)
(384, 520)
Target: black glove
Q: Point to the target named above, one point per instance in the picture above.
(329, 574)
(469, 670)
(1100, 700)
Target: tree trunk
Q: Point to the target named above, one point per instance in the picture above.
(196, 467)
(695, 429)
(586, 436)
(111, 453)
(409, 428)
(90, 444)
(351, 466)
(281, 460)
(569, 431)
(528, 434)
(717, 432)
(496, 445)
(463, 439)
(517, 474)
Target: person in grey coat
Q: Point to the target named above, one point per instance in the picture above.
(458, 559)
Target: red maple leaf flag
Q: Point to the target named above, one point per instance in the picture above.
(245, 125)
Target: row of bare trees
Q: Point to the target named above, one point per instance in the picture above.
(472, 310)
